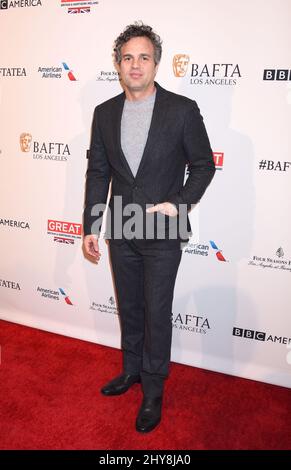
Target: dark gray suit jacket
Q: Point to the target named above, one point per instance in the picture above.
(177, 137)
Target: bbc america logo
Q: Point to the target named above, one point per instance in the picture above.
(277, 74)
(5, 4)
(250, 334)
(260, 336)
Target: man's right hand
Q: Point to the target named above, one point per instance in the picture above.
(91, 247)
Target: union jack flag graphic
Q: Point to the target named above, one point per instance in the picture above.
(79, 10)
(76, 6)
(68, 241)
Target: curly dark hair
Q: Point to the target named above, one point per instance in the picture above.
(138, 29)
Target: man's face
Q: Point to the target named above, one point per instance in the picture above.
(137, 68)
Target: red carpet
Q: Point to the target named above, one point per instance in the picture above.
(49, 399)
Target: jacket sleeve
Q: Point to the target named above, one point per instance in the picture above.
(98, 178)
(199, 157)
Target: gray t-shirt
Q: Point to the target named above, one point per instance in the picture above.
(135, 124)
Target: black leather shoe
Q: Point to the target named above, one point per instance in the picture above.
(120, 384)
(149, 414)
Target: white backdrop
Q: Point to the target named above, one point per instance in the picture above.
(231, 311)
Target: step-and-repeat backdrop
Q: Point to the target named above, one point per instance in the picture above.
(231, 311)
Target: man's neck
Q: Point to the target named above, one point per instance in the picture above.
(139, 95)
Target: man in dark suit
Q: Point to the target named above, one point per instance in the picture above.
(141, 142)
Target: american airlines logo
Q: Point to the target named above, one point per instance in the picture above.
(57, 71)
(218, 251)
(54, 294)
(202, 249)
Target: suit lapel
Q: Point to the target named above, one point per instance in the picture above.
(153, 135)
(116, 122)
(155, 127)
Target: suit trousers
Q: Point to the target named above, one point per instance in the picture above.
(145, 276)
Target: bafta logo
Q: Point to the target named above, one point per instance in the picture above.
(25, 141)
(180, 64)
